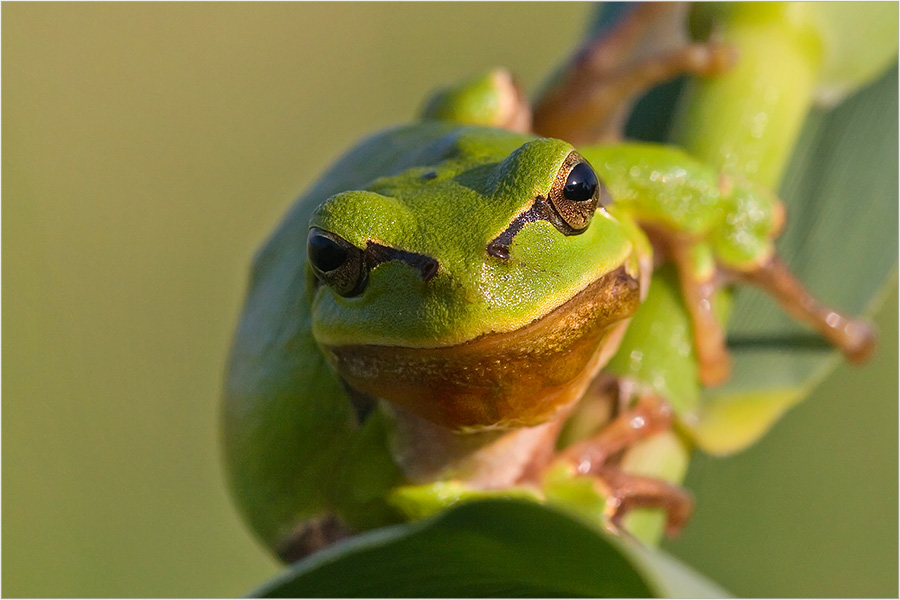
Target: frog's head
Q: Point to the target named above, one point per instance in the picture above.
(475, 291)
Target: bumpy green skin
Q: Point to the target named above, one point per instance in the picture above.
(292, 446)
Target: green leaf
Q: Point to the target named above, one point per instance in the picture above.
(501, 548)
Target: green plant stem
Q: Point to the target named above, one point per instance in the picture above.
(748, 120)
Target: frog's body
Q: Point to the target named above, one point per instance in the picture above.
(430, 313)
(454, 348)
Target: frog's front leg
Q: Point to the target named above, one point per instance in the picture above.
(591, 100)
(649, 415)
(596, 457)
(716, 228)
(700, 279)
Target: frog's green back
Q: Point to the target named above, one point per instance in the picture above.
(286, 420)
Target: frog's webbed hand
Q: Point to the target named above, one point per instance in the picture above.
(591, 100)
(648, 416)
(596, 457)
(855, 337)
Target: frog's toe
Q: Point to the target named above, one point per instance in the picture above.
(634, 491)
(854, 337)
(862, 338)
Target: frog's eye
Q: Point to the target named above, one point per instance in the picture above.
(581, 184)
(336, 262)
(574, 195)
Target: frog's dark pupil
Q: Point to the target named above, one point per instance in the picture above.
(581, 183)
(325, 253)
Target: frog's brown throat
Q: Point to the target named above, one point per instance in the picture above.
(499, 380)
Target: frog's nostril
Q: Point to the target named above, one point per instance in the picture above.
(498, 249)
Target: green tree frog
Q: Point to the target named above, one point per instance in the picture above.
(428, 316)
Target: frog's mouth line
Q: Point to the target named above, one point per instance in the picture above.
(498, 380)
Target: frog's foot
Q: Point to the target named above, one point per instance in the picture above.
(597, 457)
(627, 492)
(591, 100)
(648, 416)
(856, 338)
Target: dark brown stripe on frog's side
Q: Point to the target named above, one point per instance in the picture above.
(515, 379)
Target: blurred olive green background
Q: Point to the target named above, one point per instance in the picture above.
(147, 151)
